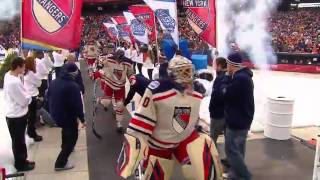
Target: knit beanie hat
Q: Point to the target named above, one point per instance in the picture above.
(235, 59)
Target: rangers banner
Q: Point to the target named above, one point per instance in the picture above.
(201, 15)
(138, 28)
(145, 14)
(123, 28)
(112, 30)
(166, 12)
(50, 24)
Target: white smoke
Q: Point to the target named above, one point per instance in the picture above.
(9, 8)
(246, 23)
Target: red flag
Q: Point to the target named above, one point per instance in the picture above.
(202, 18)
(123, 28)
(145, 14)
(51, 24)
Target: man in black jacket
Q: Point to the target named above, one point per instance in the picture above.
(238, 95)
(216, 106)
(65, 106)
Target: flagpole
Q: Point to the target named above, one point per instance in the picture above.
(155, 30)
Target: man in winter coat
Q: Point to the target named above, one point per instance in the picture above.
(65, 106)
(239, 111)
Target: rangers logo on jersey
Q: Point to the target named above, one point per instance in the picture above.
(181, 118)
(165, 18)
(118, 73)
(138, 28)
(52, 15)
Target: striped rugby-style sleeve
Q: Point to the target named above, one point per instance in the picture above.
(144, 119)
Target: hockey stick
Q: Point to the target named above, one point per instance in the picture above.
(94, 110)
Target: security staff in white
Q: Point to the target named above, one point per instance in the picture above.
(17, 100)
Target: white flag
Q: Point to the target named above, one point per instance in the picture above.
(166, 12)
(138, 28)
(112, 30)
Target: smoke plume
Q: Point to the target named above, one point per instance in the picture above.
(8, 9)
(245, 22)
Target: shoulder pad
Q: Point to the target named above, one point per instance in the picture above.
(154, 85)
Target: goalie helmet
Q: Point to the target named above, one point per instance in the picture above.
(181, 69)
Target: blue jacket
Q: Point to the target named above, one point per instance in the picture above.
(239, 99)
(216, 106)
(65, 103)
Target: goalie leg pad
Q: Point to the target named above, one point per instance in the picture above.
(204, 158)
(158, 168)
(133, 151)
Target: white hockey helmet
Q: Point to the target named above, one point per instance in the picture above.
(181, 69)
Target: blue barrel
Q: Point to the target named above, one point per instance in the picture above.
(199, 61)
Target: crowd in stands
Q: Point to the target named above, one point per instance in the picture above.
(292, 31)
(296, 31)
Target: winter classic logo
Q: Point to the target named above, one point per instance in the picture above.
(181, 118)
(167, 21)
(52, 15)
(138, 28)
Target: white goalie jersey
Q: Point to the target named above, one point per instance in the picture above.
(165, 115)
(115, 73)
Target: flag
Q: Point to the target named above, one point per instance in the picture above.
(50, 24)
(77, 37)
(112, 30)
(123, 28)
(166, 12)
(201, 16)
(138, 28)
(145, 14)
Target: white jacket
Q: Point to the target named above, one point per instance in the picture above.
(15, 96)
(31, 83)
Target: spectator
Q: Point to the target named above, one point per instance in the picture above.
(78, 77)
(216, 106)
(17, 101)
(31, 84)
(138, 84)
(65, 106)
(239, 108)
(42, 72)
(58, 59)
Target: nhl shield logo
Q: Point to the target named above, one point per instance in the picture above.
(167, 21)
(181, 118)
(138, 28)
(52, 15)
(118, 73)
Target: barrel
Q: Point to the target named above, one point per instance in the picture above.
(279, 118)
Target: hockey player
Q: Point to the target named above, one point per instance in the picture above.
(91, 52)
(163, 130)
(113, 75)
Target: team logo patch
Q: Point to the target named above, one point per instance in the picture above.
(167, 21)
(154, 85)
(118, 73)
(52, 15)
(181, 118)
(138, 28)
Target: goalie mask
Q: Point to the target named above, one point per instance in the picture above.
(180, 69)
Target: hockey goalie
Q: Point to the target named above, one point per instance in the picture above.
(116, 69)
(163, 131)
